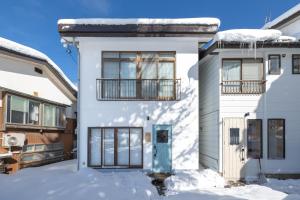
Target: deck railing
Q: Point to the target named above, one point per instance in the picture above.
(138, 89)
(243, 87)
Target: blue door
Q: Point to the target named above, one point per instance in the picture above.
(162, 143)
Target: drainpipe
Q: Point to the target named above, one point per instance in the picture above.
(78, 104)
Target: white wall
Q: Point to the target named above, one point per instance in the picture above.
(209, 113)
(292, 28)
(19, 75)
(281, 100)
(182, 114)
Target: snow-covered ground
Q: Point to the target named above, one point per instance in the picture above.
(60, 181)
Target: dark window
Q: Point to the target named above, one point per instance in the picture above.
(162, 136)
(254, 138)
(296, 64)
(234, 136)
(276, 138)
(38, 70)
(274, 64)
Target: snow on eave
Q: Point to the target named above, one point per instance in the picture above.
(22, 49)
(282, 17)
(118, 21)
(247, 35)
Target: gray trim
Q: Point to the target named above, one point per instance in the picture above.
(136, 30)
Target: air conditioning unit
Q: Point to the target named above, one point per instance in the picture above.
(13, 139)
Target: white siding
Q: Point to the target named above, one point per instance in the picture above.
(183, 114)
(291, 28)
(281, 100)
(209, 113)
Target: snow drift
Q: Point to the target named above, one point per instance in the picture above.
(247, 35)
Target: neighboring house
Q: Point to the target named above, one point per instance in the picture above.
(249, 104)
(288, 22)
(38, 100)
(138, 91)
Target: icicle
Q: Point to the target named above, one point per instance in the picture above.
(255, 50)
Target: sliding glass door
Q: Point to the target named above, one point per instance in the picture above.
(115, 147)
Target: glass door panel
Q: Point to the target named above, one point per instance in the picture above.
(95, 145)
(123, 146)
(109, 147)
(136, 146)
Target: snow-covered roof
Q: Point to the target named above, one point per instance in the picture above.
(247, 35)
(116, 21)
(22, 49)
(282, 17)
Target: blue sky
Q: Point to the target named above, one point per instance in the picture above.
(34, 22)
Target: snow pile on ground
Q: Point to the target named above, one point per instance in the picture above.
(282, 17)
(290, 186)
(247, 35)
(116, 21)
(13, 46)
(59, 181)
(187, 180)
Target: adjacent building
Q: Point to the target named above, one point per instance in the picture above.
(37, 100)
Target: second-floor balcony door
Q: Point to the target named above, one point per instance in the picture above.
(243, 76)
(128, 75)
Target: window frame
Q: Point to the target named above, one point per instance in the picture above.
(115, 165)
(41, 112)
(293, 57)
(28, 100)
(55, 117)
(269, 64)
(241, 60)
(261, 139)
(138, 61)
(284, 127)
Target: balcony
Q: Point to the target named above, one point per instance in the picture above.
(138, 89)
(243, 87)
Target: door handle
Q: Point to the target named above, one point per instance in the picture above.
(155, 151)
(243, 153)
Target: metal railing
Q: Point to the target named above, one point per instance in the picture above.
(243, 87)
(138, 89)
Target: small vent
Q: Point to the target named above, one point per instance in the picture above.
(38, 70)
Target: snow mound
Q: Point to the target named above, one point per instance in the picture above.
(282, 17)
(187, 180)
(116, 21)
(247, 35)
(13, 46)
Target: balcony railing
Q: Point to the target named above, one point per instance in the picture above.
(138, 89)
(243, 87)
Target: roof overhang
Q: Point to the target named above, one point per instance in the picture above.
(136, 30)
(12, 53)
(238, 45)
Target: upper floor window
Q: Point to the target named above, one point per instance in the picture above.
(243, 76)
(274, 64)
(296, 64)
(22, 111)
(138, 75)
(53, 116)
(26, 111)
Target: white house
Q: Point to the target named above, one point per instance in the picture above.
(249, 104)
(138, 90)
(38, 100)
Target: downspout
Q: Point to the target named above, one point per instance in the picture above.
(78, 104)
